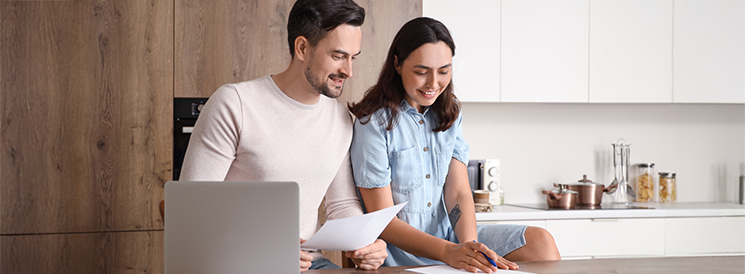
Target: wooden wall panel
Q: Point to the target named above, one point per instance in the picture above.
(94, 253)
(221, 42)
(383, 19)
(85, 114)
(232, 41)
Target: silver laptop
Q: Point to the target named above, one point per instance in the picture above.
(231, 227)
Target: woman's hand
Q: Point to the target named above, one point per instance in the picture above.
(466, 256)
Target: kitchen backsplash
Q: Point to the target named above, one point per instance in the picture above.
(540, 144)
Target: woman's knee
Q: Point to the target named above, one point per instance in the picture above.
(542, 242)
(538, 234)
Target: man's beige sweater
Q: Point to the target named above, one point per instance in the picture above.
(252, 131)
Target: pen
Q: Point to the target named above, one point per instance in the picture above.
(487, 257)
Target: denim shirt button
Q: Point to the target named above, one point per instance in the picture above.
(429, 204)
(426, 176)
(426, 149)
(421, 122)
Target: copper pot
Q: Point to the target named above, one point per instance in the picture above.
(561, 198)
(588, 192)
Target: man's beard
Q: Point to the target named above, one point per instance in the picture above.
(323, 87)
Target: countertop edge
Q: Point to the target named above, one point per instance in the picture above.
(679, 210)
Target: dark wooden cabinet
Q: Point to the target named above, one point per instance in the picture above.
(84, 253)
(85, 92)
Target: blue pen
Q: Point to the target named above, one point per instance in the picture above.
(487, 257)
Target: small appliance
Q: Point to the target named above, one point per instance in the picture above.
(484, 175)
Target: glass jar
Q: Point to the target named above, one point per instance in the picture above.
(645, 182)
(668, 188)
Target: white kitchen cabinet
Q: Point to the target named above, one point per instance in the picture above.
(538, 223)
(709, 51)
(670, 229)
(631, 51)
(475, 32)
(599, 51)
(704, 236)
(608, 237)
(544, 50)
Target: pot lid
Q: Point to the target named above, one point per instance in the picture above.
(563, 189)
(587, 181)
(584, 181)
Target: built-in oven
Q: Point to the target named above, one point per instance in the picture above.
(185, 114)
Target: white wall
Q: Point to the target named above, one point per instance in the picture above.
(539, 144)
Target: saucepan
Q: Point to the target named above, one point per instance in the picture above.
(589, 193)
(561, 198)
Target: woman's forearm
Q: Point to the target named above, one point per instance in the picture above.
(459, 202)
(414, 241)
(463, 218)
(400, 233)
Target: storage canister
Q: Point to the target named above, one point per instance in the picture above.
(668, 188)
(645, 182)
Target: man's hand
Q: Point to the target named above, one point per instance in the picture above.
(305, 259)
(369, 257)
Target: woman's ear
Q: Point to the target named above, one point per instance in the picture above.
(396, 65)
(301, 48)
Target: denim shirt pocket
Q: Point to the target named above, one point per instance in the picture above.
(405, 170)
(443, 154)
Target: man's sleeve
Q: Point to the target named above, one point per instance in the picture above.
(214, 141)
(341, 196)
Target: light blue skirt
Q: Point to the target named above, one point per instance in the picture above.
(502, 239)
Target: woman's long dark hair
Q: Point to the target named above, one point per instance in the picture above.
(389, 92)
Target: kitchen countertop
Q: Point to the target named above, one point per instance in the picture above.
(692, 265)
(661, 210)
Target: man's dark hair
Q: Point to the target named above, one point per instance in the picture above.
(314, 19)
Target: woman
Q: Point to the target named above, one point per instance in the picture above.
(408, 146)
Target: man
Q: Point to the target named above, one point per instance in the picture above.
(280, 127)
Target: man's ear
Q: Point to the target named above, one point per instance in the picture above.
(302, 47)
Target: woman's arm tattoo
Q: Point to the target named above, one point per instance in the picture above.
(455, 215)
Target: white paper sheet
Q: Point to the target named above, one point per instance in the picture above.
(352, 233)
(446, 269)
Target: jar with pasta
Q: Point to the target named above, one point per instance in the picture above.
(668, 189)
(645, 182)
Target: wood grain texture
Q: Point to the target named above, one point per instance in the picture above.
(86, 107)
(383, 19)
(232, 41)
(222, 42)
(94, 253)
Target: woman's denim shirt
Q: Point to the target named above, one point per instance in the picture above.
(415, 161)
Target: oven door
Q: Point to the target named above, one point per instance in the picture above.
(185, 114)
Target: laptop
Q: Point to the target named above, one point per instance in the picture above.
(231, 227)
